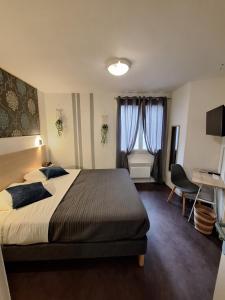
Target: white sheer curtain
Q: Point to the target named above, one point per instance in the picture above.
(129, 119)
(153, 126)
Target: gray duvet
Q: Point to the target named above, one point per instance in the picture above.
(101, 205)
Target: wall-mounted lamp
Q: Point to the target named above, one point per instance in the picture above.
(38, 141)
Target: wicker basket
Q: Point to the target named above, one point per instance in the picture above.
(204, 218)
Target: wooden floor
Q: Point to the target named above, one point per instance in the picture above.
(180, 264)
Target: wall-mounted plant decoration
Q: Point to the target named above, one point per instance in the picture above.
(104, 133)
(59, 122)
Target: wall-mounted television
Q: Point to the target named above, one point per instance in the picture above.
(215, 121)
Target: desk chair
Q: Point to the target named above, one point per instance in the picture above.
(180, 181)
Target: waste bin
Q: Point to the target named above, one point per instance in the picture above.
(204, 218)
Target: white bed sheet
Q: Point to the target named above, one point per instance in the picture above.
(29, 224)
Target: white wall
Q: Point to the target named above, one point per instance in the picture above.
(85, 129)
(61, 148)
(14, 144)
(188, 109)
(203, 151)
(221, 193)
(178, 115)
(105, 155)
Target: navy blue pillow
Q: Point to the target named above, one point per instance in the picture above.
(27, 193)
(52, 172)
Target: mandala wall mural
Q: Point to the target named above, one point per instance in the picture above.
(19, 115)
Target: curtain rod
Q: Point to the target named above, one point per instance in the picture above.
(168, 98)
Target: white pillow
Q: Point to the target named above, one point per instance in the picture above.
(35, 176)
(5, 201)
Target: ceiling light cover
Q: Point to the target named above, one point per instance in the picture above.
(119, 67)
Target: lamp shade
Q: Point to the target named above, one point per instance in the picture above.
(118, 67)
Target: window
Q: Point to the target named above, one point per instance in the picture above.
(140, 143)
(129, 114)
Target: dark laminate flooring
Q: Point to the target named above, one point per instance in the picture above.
(180, 264)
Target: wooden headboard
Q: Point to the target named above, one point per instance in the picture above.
(14, 166)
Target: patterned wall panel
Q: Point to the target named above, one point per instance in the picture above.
(19, 115)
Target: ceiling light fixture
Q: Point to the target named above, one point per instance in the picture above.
(118, 66)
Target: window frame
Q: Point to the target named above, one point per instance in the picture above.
(140, 138)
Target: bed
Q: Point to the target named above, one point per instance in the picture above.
(99, 215)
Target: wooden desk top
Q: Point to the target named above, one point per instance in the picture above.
(207, 179)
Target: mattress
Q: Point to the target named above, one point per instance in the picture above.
(100, 205)
(30, 224)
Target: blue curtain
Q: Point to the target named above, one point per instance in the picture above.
(154, 113)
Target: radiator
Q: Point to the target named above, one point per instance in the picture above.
(140, 170)
(140, 165)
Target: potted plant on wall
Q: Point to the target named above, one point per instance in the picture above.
(104, 133)
(59, 122)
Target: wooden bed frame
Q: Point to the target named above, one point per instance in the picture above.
(13, 167)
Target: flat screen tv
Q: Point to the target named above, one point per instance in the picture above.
(215, 121)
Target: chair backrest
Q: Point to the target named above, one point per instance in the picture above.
(177, 173)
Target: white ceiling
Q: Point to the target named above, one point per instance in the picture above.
(62, 46)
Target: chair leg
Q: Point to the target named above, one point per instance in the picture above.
(171, 194)
(184, 204)
(196, 199)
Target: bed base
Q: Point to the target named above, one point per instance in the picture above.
(63, 251)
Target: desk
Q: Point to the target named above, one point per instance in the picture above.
(202, 178)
